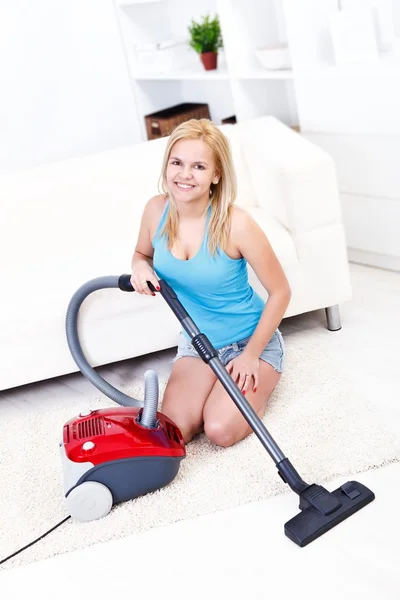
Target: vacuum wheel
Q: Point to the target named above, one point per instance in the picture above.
(89, 501)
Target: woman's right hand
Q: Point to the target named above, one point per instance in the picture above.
(140, 277)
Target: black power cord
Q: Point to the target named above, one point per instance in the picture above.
(34, 542)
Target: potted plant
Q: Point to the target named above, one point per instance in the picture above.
(205, 39)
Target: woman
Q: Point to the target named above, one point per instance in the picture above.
(195, 238)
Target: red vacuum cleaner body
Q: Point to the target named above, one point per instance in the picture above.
(109, 457)
(116, 434)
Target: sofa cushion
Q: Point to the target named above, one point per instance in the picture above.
(291, 177)
(245, 193)
(280, 239)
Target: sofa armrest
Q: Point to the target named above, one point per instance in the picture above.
(292, 178)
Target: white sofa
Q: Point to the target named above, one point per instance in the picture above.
(68, 222)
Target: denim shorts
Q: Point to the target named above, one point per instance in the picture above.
(273, 353)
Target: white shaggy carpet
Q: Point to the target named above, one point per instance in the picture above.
(321, 415)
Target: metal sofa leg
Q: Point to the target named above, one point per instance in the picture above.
(333, 318)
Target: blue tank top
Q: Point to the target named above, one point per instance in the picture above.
(215, 291)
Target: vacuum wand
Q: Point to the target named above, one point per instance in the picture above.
(209, 355)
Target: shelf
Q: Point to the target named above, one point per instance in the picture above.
(264, 74)
(190, 73)
(220, 74)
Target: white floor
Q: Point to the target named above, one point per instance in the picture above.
(239, 553)
(243, 552)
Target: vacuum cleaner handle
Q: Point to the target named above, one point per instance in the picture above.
(209, 355)
(124, 284)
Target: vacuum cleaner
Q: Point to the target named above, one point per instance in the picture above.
(113, 455)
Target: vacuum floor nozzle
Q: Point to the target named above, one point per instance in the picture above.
(322, 510)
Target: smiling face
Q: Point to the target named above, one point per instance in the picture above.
(191, 170)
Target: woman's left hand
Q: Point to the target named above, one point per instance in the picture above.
(244, 370)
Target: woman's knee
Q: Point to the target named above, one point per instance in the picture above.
(226, 428)
(187, 390)
(221, 433)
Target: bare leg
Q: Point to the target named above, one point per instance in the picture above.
(224, 424)
(333, 318)
(189, 386)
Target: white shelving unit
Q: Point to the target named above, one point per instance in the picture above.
(240, 86)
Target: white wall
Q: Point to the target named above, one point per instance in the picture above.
(369, 181)
(362, 98)
(353, 113)
(65, 86)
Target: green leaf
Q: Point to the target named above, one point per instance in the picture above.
(205, 36)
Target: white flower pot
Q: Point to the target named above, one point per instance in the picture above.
(274, 57)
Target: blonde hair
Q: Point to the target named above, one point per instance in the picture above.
(223, 194)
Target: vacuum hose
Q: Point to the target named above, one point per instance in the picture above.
(148, 416)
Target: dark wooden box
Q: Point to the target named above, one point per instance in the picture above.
(231, 119)
(163, 122)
